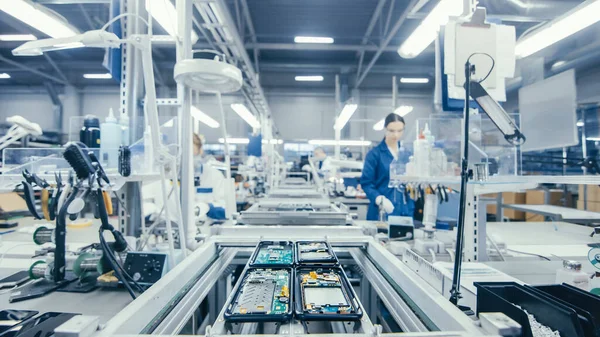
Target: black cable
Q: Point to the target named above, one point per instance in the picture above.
(491, 68)
(126, 277)
(106, 250)
(532, 254)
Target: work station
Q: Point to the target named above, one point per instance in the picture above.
(367, 168)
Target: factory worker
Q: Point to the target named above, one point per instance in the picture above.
(209, 183)
(376, 173)
(323, 162)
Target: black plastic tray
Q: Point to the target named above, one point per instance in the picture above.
(585, 303)
(331, 261)
(351, 297)
(233, 317)
(504, 296)
(263, 245)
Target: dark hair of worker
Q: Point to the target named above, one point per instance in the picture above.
(392, 117)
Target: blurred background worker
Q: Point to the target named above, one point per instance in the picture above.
(376, 173)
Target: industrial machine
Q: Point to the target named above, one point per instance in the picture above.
(295, 211)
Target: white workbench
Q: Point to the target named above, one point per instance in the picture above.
(559, 213)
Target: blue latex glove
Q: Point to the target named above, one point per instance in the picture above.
(216, 213)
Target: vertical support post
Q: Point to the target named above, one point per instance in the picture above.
(584, 152)
(338, 109)
(132, 91)
(394, 93)
(184, 95)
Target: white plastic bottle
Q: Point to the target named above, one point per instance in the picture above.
(422, 154)
(124, 122)
(571, 274)
(110, 140)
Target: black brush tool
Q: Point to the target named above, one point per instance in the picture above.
(79, 161)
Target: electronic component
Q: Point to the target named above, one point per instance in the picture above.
(10, 318)
(145, 268)
(325, 294)
(273, 254)
(315, 253)
(262, 295)
(15, 279)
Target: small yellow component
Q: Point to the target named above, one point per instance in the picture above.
(80, 223)
(45, 201)
(313, 275)
(107, 202)
(285, 291)
(260, 307)
(243, 310)
(308, 307)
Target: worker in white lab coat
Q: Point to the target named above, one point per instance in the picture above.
(209, 182)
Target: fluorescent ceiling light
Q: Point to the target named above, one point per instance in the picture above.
(333, 142)
(345, 115)
(273, 141)
(558, 64)
(414, 80)
(560, 28)
(593, 139)
(163, 11)
(38, 17)
(400, 111)
(246, 115)
(235, 141)
(580, 123)
(309, 78)
(313, 39)
(426, 32)
(4, 76)
(106, 76)
(204, 118)
(17, 37)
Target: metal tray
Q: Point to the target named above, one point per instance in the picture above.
(347, 295)
(288, 247)
(299, 212)
(330, 260)
(261, 294)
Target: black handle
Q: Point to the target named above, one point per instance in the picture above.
(30, 199)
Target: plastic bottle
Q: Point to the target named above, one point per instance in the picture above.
(110, 140)
(124, 122)
(571, 274)
(90, 132)
(422, 154)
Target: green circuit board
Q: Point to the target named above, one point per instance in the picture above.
(324, 293)
(263, 291)
(274, 255)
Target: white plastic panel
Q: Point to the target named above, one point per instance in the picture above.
(548, 113)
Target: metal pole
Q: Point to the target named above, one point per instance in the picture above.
(584, 152)
(338, 109)
(464, 175)
(394, 93)
(184, 95)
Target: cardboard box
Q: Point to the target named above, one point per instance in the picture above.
(593, 193)
(592, 206)
(12, 202)
(538, 197)
(508, 198)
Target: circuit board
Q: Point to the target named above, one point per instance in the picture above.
(277, 253)
(263, 292)
(324, 292)
(317, 251)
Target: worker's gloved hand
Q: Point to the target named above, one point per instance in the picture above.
(385, 204)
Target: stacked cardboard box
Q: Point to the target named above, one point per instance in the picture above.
(508, 198)
(538, 197)
(593, 198)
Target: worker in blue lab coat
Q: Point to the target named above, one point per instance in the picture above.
(376, 173)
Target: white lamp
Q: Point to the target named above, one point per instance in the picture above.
(91, 39)
(208, 75)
